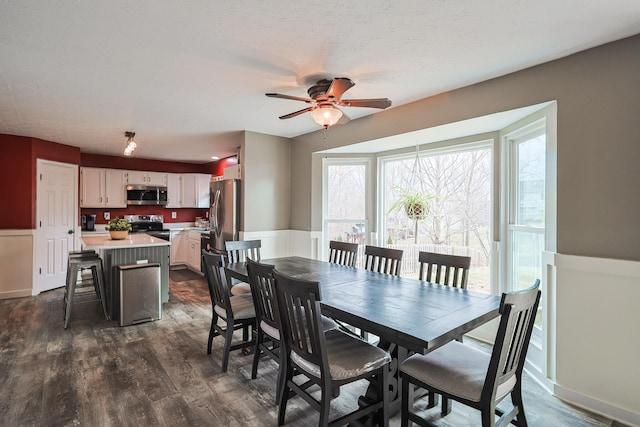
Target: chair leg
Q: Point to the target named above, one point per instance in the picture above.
(284, 392)
(256, 354)
(516, 400)
(245, 332)
(407, 404)
(72, 277)
(282, 371)
(212, 331)
(384, 392)
(227, 347)
(101, 290)
(325, 406)
(488, 416)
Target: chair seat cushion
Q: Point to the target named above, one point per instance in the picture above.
(455, 368)
(241, 307)
(240, 288)
(348, 357)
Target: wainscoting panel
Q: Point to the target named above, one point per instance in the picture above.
(16, 263)
(597, 345)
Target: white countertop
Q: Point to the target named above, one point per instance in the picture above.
(134, 240)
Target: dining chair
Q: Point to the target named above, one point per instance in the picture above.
(475, 378)
(343, 253)
(240, 251)
(383, 260)
(450, 270)
(237, 311)
(328, 359)
(268, 323)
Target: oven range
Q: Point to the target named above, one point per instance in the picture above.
(150, 224)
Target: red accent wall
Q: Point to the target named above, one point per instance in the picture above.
(18, 156)
(16, 183)
(137, 164)
(217, 167)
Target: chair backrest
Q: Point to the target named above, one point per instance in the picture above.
(217, 282)
(263, 292)
(300, 319)
(343, 253)
(240, 250)
(450, 270)
(383, 260)
(518, 312)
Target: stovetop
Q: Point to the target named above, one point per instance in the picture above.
(141, 223)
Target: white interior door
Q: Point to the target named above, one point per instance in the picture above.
(56, 221)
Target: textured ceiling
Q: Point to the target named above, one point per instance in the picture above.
(189, 76)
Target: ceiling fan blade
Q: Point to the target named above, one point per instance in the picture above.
(371, 103)
(297, 113)
(338, 86)
(294, 98)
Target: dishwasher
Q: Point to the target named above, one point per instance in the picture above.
(137, 294)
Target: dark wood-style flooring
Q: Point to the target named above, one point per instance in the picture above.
(96, 373)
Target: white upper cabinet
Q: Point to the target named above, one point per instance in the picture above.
(173, 190)
(102, 188)
(194, 190)
(114, 190)
(158, 179)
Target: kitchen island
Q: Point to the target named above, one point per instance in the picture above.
(137, 248)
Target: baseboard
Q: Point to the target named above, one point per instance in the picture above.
(596, 406)
(16, 294)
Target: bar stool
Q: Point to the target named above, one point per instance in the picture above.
(79, 262)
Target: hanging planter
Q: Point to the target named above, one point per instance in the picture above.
(415, 205)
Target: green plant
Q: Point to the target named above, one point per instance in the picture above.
(415, 204)
(118, 224)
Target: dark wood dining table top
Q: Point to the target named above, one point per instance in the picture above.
(417, 315)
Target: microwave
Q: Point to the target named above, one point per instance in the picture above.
(146, 195)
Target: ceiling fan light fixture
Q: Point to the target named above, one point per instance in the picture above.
(326, 116)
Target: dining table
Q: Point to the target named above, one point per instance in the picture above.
(407, 314)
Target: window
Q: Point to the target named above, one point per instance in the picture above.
(346, 201)
(527, 207)
(457, 183)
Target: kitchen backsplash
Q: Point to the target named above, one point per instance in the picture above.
(182, 214)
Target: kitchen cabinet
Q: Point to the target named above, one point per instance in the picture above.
(193, 249)
(194, 190)
(173, 190)
(179, 246)
(157, 179)
(102, 188)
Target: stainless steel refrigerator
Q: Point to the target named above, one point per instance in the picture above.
(224, 214)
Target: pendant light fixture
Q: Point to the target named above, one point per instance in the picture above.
(131, 144)
(326, 116)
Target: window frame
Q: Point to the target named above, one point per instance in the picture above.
(329, 161)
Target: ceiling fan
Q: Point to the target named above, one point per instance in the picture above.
(325, 98)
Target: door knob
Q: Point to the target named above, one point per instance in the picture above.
(70, 231)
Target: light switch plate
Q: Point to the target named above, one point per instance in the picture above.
(107, 216)
(174, 215)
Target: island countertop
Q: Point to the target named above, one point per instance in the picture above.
(133, 240)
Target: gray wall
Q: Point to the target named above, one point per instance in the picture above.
(266, 182)
(598, 102)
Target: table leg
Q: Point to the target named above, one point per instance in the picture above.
(398, 355)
